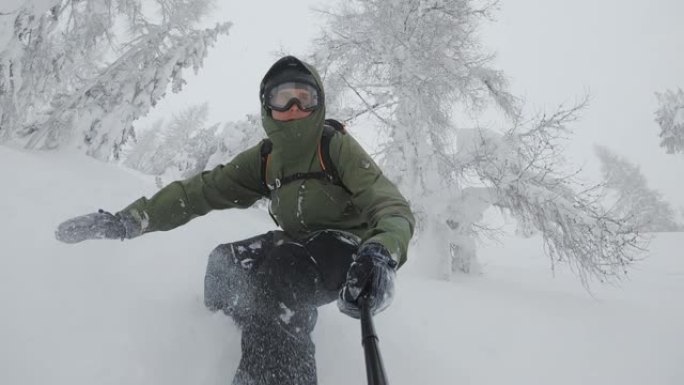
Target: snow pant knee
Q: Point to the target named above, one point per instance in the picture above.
(286, 283)
(228, 275)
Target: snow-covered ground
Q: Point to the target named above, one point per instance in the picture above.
(110, 312)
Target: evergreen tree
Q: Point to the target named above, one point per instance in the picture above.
(235, 137)
(138, 153)
(179, 149)
(632, 198)
(670, 118)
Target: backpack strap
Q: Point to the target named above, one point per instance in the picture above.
(336, 124)
(329, 130)
(265, 151)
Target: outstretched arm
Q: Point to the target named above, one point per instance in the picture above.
(234, 185)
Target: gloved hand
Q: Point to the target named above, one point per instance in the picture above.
(371, 275)
(99, 225)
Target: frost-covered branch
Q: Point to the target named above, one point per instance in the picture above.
(65, 81)
(107, 104)
(524, 170)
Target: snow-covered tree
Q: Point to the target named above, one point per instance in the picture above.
(235, 137)
(525, 174)
(79, 74)
(410, 65)
(187, 144)
(178, 149)
(670, 118)
(631, 196)
(137, 153)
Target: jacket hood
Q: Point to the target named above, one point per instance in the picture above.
(294, 139)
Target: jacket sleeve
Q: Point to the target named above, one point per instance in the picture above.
(236, 184)
(386, 211)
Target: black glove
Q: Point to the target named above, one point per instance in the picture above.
(371, 275)
(99, 225)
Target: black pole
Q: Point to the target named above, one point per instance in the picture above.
(374, 368)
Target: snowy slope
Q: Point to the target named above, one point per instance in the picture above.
(113, 312)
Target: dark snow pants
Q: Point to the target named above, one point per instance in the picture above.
(271, 286)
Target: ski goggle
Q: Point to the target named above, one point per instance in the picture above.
(283, 96)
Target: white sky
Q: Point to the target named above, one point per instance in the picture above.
(554, 51)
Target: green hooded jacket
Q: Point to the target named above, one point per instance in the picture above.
(375, 211)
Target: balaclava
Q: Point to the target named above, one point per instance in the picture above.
(294, 141)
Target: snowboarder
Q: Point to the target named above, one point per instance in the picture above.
(345, 229)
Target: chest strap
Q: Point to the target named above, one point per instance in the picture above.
(302, 175)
